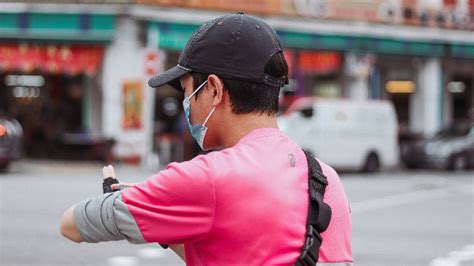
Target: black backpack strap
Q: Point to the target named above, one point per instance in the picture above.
(319, 213)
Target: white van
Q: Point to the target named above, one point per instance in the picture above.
(346, 134)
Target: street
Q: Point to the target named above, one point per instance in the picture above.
(399, 218)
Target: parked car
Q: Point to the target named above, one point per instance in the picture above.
(346, 134)
(11, 138)
(451, 148)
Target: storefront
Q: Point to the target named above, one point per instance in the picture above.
(377, 59)
(171, 136)
(398, 82)
(318, 73)
(427, 92)
(405, 71)
(49, 78)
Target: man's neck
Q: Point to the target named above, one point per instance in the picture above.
(241, 125)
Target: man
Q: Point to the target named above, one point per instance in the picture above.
(245, 204)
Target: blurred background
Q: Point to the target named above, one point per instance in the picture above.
(382, 90)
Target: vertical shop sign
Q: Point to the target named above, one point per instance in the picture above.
(132, 105)
(152, 63)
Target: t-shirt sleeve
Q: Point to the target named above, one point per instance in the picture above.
(106, 218)
(176, 205)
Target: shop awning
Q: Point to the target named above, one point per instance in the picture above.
(173, 36)
(67, 59)
(361, 44)
(462, 50)
(57, 26)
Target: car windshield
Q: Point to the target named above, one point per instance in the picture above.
(457, 130)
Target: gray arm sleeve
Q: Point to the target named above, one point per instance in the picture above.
(106, 218)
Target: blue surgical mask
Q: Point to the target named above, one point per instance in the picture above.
(197, 131)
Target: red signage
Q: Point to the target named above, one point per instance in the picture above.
(319, 62)
(290, 61)
(70, 59)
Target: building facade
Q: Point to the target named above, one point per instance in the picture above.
(93, 61)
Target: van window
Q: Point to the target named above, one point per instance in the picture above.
(456, 130)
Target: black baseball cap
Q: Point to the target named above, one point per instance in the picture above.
(235, 46)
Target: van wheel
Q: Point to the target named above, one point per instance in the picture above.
(411, 166)
(459, 163)
(372, 164)
(4, 166)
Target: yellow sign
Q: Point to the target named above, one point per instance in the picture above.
(400, 86)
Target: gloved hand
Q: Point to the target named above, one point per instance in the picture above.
(110, 178)
(110, 182)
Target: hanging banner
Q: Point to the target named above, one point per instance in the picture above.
(132, 92)
(69, 59)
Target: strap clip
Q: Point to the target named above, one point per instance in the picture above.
(306, 255)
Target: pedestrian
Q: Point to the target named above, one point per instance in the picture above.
(248, 201)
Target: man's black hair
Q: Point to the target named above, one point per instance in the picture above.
(250, 97)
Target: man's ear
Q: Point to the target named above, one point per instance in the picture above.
(216, 88)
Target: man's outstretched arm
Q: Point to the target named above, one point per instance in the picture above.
(69, 229)
(101, 218)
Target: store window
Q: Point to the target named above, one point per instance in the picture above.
(462, 96)
(52, 90)
(398, 86)
(321, 71)
(172, 141)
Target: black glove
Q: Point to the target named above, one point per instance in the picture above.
(110, 178)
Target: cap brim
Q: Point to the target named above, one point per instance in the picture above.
(170, 76)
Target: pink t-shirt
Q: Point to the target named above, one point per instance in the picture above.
(243, 205)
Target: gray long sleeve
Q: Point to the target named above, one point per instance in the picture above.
(106, 218)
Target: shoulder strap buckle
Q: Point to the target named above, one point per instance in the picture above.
(319, 213)
(309, 254)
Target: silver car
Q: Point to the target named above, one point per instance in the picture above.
(11, 140)
(451, 148)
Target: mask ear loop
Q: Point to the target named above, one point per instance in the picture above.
(202, 85)
(209, 116)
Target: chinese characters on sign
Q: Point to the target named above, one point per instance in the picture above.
(71, 59)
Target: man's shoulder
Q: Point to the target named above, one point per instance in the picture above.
(327, 169)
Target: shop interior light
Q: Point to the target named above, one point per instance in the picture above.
(24, 80)
(400, 86)
(456, 87)
(3, 131)
(26, 92)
